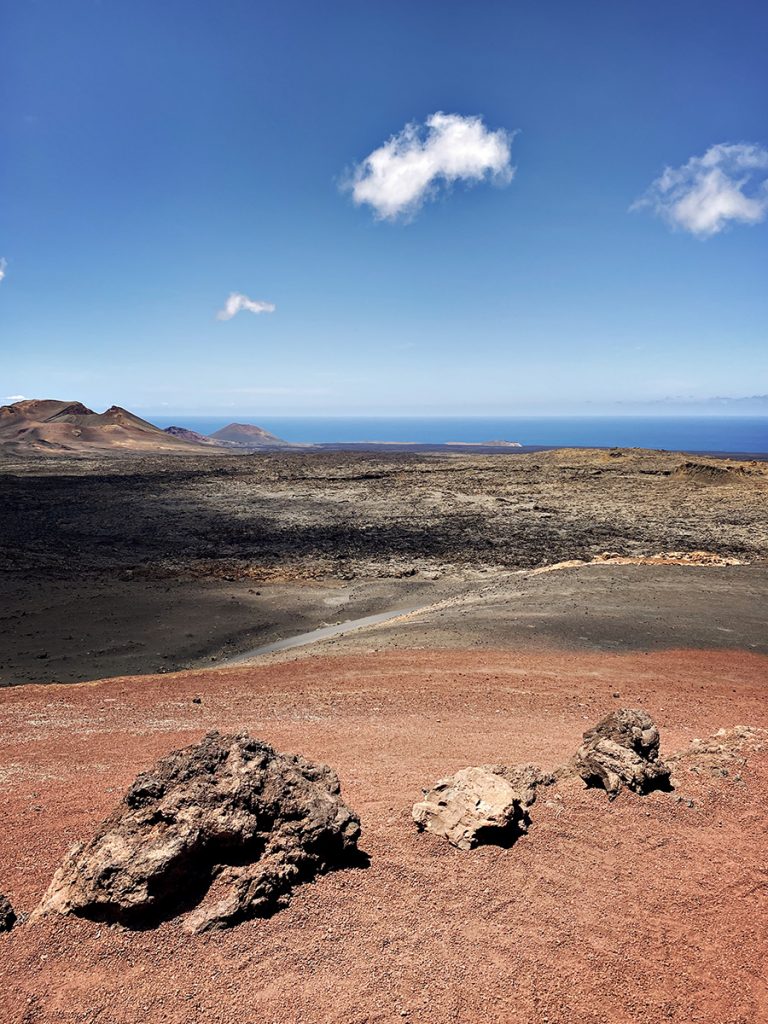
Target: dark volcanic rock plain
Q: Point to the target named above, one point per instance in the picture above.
(146, 564)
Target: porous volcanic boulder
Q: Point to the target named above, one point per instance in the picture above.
(7, 914)
(622, 750)
(487, 804)
(227, 826)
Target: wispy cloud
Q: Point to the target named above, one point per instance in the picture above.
(3, 267)
(15, 398)
(728, 184)
(236, 302)
(398, 177)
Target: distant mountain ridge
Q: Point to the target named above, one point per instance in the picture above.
(49, 425)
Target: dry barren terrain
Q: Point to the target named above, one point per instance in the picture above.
(643, 909)
(140, 564)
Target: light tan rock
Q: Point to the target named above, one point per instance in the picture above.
(486, 804)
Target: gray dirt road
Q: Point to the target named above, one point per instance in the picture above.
(600, 607)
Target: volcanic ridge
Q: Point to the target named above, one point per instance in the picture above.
(52, 426)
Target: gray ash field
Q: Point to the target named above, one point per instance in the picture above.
(150, 563)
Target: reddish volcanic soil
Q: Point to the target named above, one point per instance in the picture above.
(645, 909)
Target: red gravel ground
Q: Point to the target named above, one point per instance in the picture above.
(645, 909)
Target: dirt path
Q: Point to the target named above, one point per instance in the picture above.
(316, 636)
(602, 607)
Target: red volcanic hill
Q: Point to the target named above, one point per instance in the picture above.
(250, 435)
(46, 425)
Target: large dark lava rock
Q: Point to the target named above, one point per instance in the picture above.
(227, 826)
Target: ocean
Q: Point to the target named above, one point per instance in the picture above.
(685, 433)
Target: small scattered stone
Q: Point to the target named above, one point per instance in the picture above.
(684, 800)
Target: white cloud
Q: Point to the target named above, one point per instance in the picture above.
(408, 169)
(729, 183)
(236, 302)
(3, 267)
(15, 398)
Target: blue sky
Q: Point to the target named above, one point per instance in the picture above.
(158, 157)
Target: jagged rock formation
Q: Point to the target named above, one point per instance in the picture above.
(7, 914)
(487, 804)
(622, 750)
(227, 826)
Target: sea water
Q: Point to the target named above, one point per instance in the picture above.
(682, 433)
